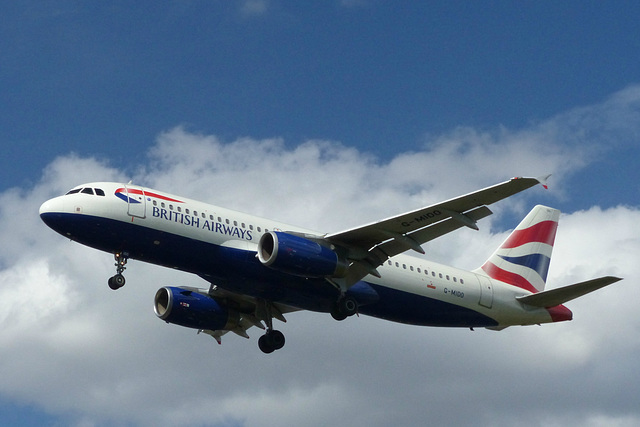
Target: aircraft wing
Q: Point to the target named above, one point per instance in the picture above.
(371, 245)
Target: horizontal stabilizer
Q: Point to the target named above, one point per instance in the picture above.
(554, 297)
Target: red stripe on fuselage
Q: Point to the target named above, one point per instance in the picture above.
(542, 232)
(148, 193)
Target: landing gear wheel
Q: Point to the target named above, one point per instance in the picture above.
(345, 307)
(348, 306)
(271, 341)
(264, 345)
(116, 282)
(336, 314)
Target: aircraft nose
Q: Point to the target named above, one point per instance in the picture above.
(51, 206)
(51, 212)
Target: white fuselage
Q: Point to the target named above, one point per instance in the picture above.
(220, 245)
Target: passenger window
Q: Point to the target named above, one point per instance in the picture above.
(404, 266)
(461, 281)
(155, 203)
(242, 225)
(235, 223)
(227, 221)
(250, 227)
(195, 213)
(179, 209)
(397, 264)
(411, 268)
(447, 277)
(440, 275)
(259, 230)
(455, 280)
(162, 205)
(186, 211)
(204, 215)
(170, 207)
(211, 217)
(99, 192)
(87, 191)
(419, 270)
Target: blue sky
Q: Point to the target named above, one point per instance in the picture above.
(355, 109)
(105, 78)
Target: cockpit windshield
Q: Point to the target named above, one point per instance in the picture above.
(87, 190)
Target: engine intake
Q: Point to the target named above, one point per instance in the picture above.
(300, 256)
(193, 310)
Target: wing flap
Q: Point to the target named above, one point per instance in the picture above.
(554, 297)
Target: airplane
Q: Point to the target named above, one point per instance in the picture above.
(259, 270)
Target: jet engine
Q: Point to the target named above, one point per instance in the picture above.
(193, 310)
(300, 256)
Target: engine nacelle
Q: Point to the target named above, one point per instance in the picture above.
(299, 256)
(193, 310)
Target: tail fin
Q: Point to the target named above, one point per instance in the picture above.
(523, 259)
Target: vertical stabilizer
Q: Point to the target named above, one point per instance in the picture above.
(523, 259)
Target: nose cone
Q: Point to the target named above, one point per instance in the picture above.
(50, 206)
(52, 212)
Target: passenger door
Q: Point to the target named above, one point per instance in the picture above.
(136, 201)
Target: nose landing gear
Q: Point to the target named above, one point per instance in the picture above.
(118, 281)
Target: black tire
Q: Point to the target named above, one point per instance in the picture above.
(336, 314)
(271, 341)
(265, 345)
(117, 281)
(348, 306)
(276, 338)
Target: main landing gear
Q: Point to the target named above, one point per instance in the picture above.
(346, 306)
(118, 281)
(272, 340)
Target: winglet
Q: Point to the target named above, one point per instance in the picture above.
(543, 180)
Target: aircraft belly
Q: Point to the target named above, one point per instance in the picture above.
(406, 307)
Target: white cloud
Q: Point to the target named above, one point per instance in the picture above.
(71, 346)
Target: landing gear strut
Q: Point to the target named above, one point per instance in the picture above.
(118, 281)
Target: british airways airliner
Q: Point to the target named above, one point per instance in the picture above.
(260, 270)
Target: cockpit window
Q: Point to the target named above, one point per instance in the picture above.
(98, 191)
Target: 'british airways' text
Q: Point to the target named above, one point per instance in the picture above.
(201, 223)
